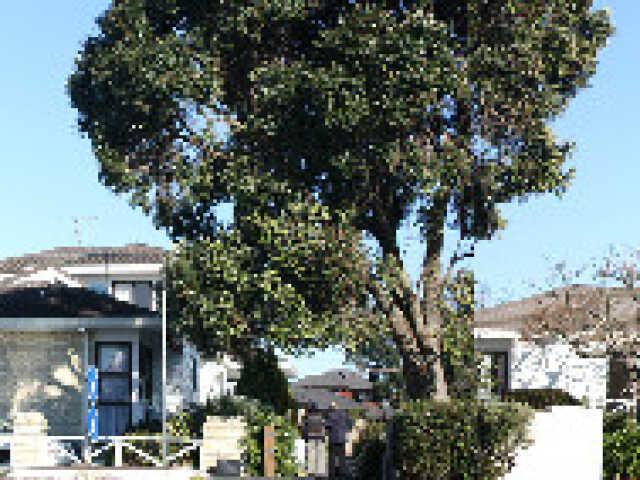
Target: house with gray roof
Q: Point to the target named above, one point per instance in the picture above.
(578, 338)
(348, 389)
(67, 310)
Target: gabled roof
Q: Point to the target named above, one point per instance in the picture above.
(67, 256)
(336, 378)
(60, 301)
(571, 309)
(323, 398)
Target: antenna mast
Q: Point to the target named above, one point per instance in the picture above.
(76, 229)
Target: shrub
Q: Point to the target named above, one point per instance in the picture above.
(369, 451)
(539, 399)
(190, 422)
(262, 379)
(457, 440)
(257, 415)
(613, 421)
(621, 447)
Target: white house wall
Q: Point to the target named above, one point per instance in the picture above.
(533, 366)
(180, 392)
(559, 366)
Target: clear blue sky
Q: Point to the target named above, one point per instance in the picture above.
(49, 174)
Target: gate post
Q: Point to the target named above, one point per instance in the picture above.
(29, 443)
(220, 437)
(269, 451)
(117, 446)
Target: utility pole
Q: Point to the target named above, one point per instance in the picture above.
(77, 221)
(164, 372)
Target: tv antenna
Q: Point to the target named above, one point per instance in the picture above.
(77, 221)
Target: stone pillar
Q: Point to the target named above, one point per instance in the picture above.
(220, 439)
(29, 445)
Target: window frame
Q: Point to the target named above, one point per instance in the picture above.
(102, 375)
(495, 387)
(194, 374)
(133, 284)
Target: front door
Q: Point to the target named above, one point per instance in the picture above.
(114, 387)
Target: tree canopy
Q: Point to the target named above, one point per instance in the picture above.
(343, 117)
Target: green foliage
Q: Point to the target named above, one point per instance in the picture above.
(262, 379)
(621, 447)
(458, 440)
(369, 450)
(343, 117)
(257, 415)
(614, 421)
(539, 399)
(460, 360)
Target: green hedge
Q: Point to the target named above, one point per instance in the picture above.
(458, 440)
(621, 447)
(539, 399)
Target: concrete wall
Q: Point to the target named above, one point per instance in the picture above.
(43, 372)
(567, 444)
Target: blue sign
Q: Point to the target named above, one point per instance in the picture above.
(92, 414)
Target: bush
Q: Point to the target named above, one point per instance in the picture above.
(614, 421)
(369, 451)
(539, 399)
(257, 415)
(457, 440)
(621, 447)
(262, 379)
(190, 422)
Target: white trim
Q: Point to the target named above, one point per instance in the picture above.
(50, 275)
(114, 269)
(484, 332)
(73, 323)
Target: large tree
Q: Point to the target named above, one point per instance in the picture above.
(343, 118)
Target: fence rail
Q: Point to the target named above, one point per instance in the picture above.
(59, 444)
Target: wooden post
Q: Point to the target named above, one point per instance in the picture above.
(269, 451)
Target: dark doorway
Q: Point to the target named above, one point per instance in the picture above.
(499, 373)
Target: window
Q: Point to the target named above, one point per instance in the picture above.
(498, 372)
(194, 368)
(619, 379)
(98, 287)
(114, 387)
(138, 293)
(146, 374)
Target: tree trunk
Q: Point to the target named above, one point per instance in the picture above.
(431, 280)
(424, 370)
